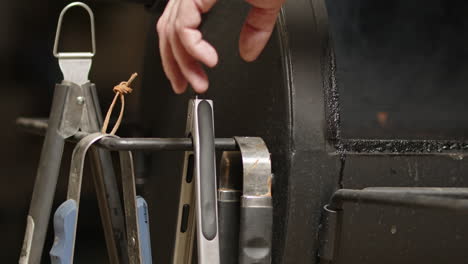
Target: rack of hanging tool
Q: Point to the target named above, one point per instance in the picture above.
(231, 223)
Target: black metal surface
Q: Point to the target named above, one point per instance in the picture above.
(402, 235)
(395, 120)
(253, 244)
(229, 192)
(401, 198)
(447, 199)
(330, 229)
(459, 193)
(402, 146)
(228, 222)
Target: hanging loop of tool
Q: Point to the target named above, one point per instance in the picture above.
(119, 90)
(75, 66)
(59, 28)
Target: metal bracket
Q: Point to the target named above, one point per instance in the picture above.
(256, 222)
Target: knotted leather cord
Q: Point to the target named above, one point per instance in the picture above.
(120, 90)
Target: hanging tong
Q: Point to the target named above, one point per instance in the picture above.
(229, 193)
(256, 214)
(75, 106)
(198, 190)
(245, 222)
(66, 216)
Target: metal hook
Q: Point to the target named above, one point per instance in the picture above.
(59, 27)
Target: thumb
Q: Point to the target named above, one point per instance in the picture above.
(256, 31)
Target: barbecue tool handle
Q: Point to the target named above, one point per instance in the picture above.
(46, 181)
(256, 230)
(207, 170)
(64, 226)
(66, 217)
(205, 183)
(144, 233)
(229, 193)
(229, 212)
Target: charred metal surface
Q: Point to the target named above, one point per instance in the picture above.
(332, 97)
(405, 171)
(402, 146)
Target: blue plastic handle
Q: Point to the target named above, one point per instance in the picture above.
(64, 226)
(143, 223)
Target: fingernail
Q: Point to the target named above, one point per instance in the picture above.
(201, 87)
(248, 56)
(178, 89)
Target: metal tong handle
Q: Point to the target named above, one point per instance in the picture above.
(59, 28)
(205, 183)
(229, 193)
(185, 231)
(131, 211)
(66, 216)
(199, 170)
(48, 172)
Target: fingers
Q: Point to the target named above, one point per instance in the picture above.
(182, 46)
(205, 5)
(171, 69)
(256, 31)
(186, 16)
(190, 68)
(187, 25)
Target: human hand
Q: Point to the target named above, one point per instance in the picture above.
(183, 48)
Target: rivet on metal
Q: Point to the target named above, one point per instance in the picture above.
(80, 100)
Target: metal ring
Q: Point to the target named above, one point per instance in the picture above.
(59, 27)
